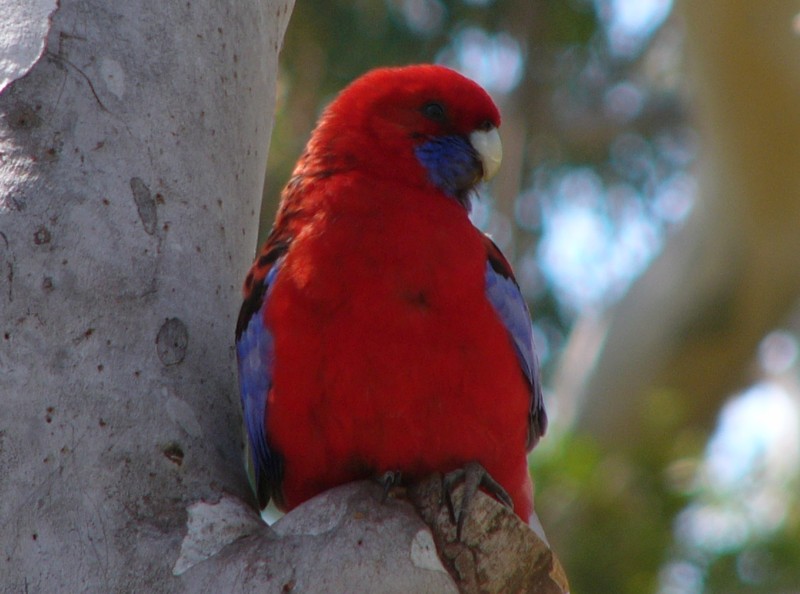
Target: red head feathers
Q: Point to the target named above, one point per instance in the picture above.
(382, 121)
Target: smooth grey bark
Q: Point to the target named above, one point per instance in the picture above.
(342, 541)
(132, 157)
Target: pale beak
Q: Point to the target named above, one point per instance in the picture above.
(489, 147)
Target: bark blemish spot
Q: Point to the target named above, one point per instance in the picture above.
(145, 205)
(172, 341)
(173, 453)
(42, 235)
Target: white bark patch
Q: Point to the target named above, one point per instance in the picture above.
(114, 76)
(537, 527)
(182, 414)
(212, 526)
(319, 515)
(423, 552)
(24, 26)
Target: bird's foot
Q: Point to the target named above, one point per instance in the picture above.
(473, 475)
(387, 480)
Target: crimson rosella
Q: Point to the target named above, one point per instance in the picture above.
(382, 335)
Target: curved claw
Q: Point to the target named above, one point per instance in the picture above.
(473, 475)
(387, 480)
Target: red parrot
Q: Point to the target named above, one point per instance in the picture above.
(381, 334)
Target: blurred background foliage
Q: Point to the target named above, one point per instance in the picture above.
(649, 202)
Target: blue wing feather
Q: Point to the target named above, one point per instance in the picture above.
(505, 296)
(255, 352)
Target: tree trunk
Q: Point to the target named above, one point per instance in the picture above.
(132, 158)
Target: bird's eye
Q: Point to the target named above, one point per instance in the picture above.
(486, 125)
(434, 111)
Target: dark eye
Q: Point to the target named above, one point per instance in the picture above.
(434, 111)
(486, 125)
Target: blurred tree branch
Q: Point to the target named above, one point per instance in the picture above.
(689, 328)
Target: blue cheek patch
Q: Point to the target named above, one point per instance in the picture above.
(452, 164)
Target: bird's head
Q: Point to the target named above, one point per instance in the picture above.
(423, 125)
